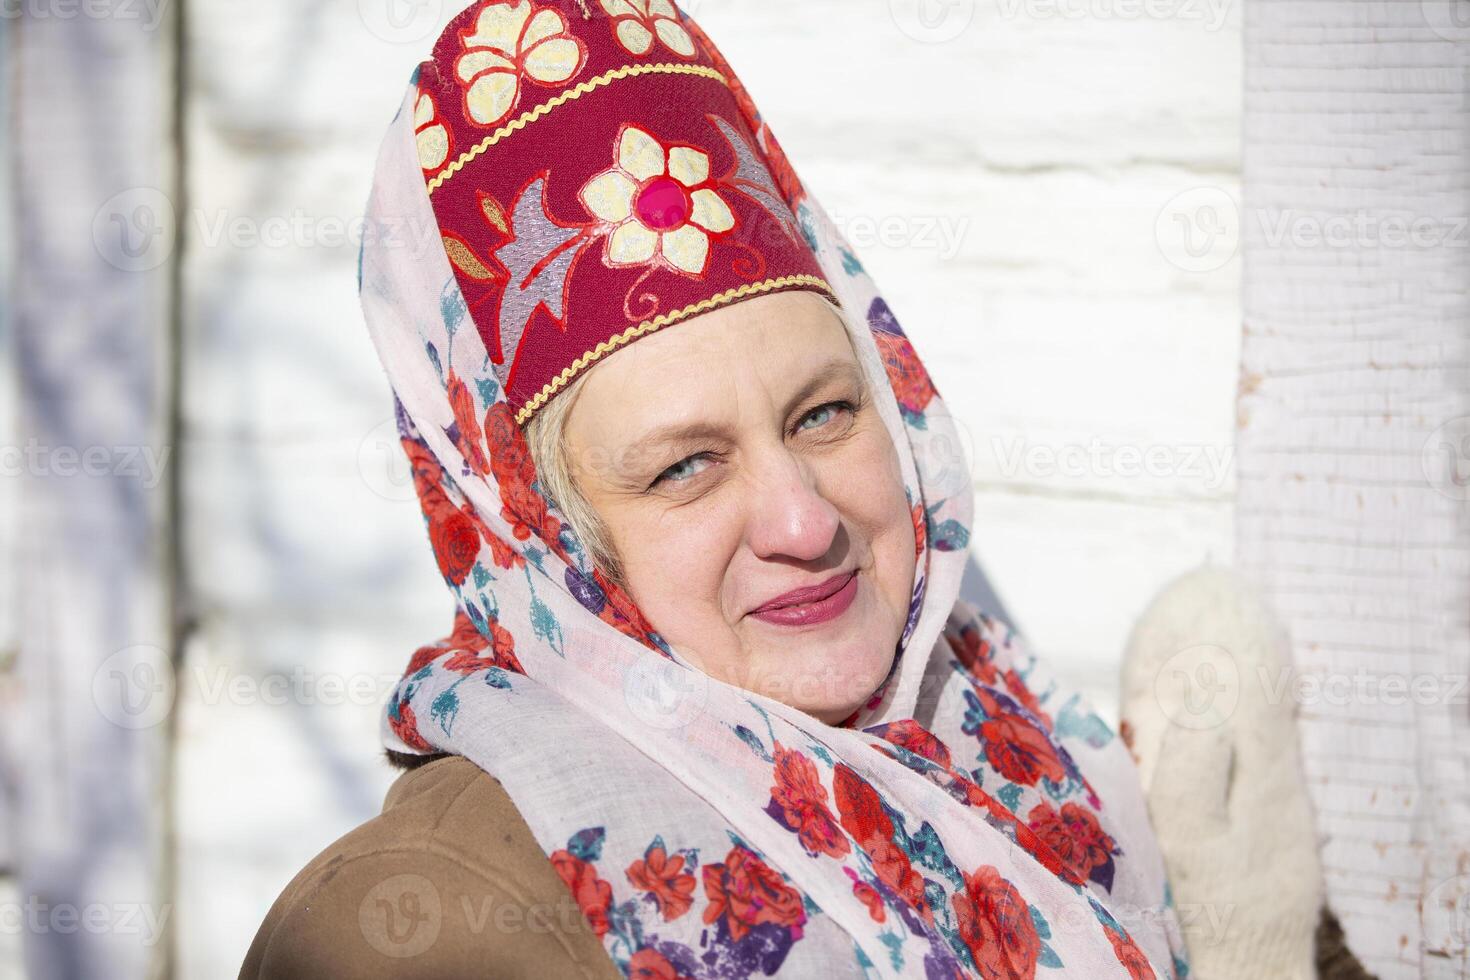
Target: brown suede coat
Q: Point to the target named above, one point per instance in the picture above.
(422, 890)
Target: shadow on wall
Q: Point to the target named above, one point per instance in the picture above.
(975, 588)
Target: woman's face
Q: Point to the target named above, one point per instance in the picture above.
(737, 457)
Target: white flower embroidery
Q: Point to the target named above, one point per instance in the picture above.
(659, 203)
(511, 40)
(433, 138)
(636, 22)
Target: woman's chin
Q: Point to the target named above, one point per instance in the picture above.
(831, 670)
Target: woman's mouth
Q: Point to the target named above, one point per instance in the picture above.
(826, 601)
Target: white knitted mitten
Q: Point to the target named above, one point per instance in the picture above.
(1207, 710)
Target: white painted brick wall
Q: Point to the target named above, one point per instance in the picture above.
(1050, 144)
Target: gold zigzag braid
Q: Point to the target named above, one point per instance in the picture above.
(662, 320)
(575, 92)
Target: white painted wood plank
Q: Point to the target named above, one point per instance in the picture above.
(1356, 374)
(91, 115)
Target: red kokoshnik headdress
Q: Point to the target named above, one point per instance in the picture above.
(598, 173)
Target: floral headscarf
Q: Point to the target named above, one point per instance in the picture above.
(973, 819)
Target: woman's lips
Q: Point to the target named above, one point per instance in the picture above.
(815, 605)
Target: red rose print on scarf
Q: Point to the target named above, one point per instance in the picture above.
(502, 655)
(454, 533)
(501, 552)
(799, 803)
(1017, 686)
(524, 509)
(1020, 751)
(909, 734)
(510, 456)
(422, 465)
(995, 923)
(406, 726)
(911, 383)
(869, 896)
(744, 893)
(921, 529)
(974, 652)
(1075, 835)
(664, 878)
(593, 895)
(864, 818)
(466, 432)
(456, 543)
(959, 785)
(464, 636)
(1130, 956)
(1013, 744)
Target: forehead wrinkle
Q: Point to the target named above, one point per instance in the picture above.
(660, 435)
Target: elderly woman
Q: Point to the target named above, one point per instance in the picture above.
(711, 706)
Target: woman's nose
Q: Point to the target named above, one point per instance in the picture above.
(787, 514)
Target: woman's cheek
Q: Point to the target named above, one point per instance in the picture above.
(675, 562)
(878, 494)
(888, 516)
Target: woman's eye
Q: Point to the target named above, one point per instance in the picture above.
(822, 414)
(680, 471)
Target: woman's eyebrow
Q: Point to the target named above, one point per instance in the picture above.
(835, 369)
(676, 433)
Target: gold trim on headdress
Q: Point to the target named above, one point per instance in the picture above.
(662, 320)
